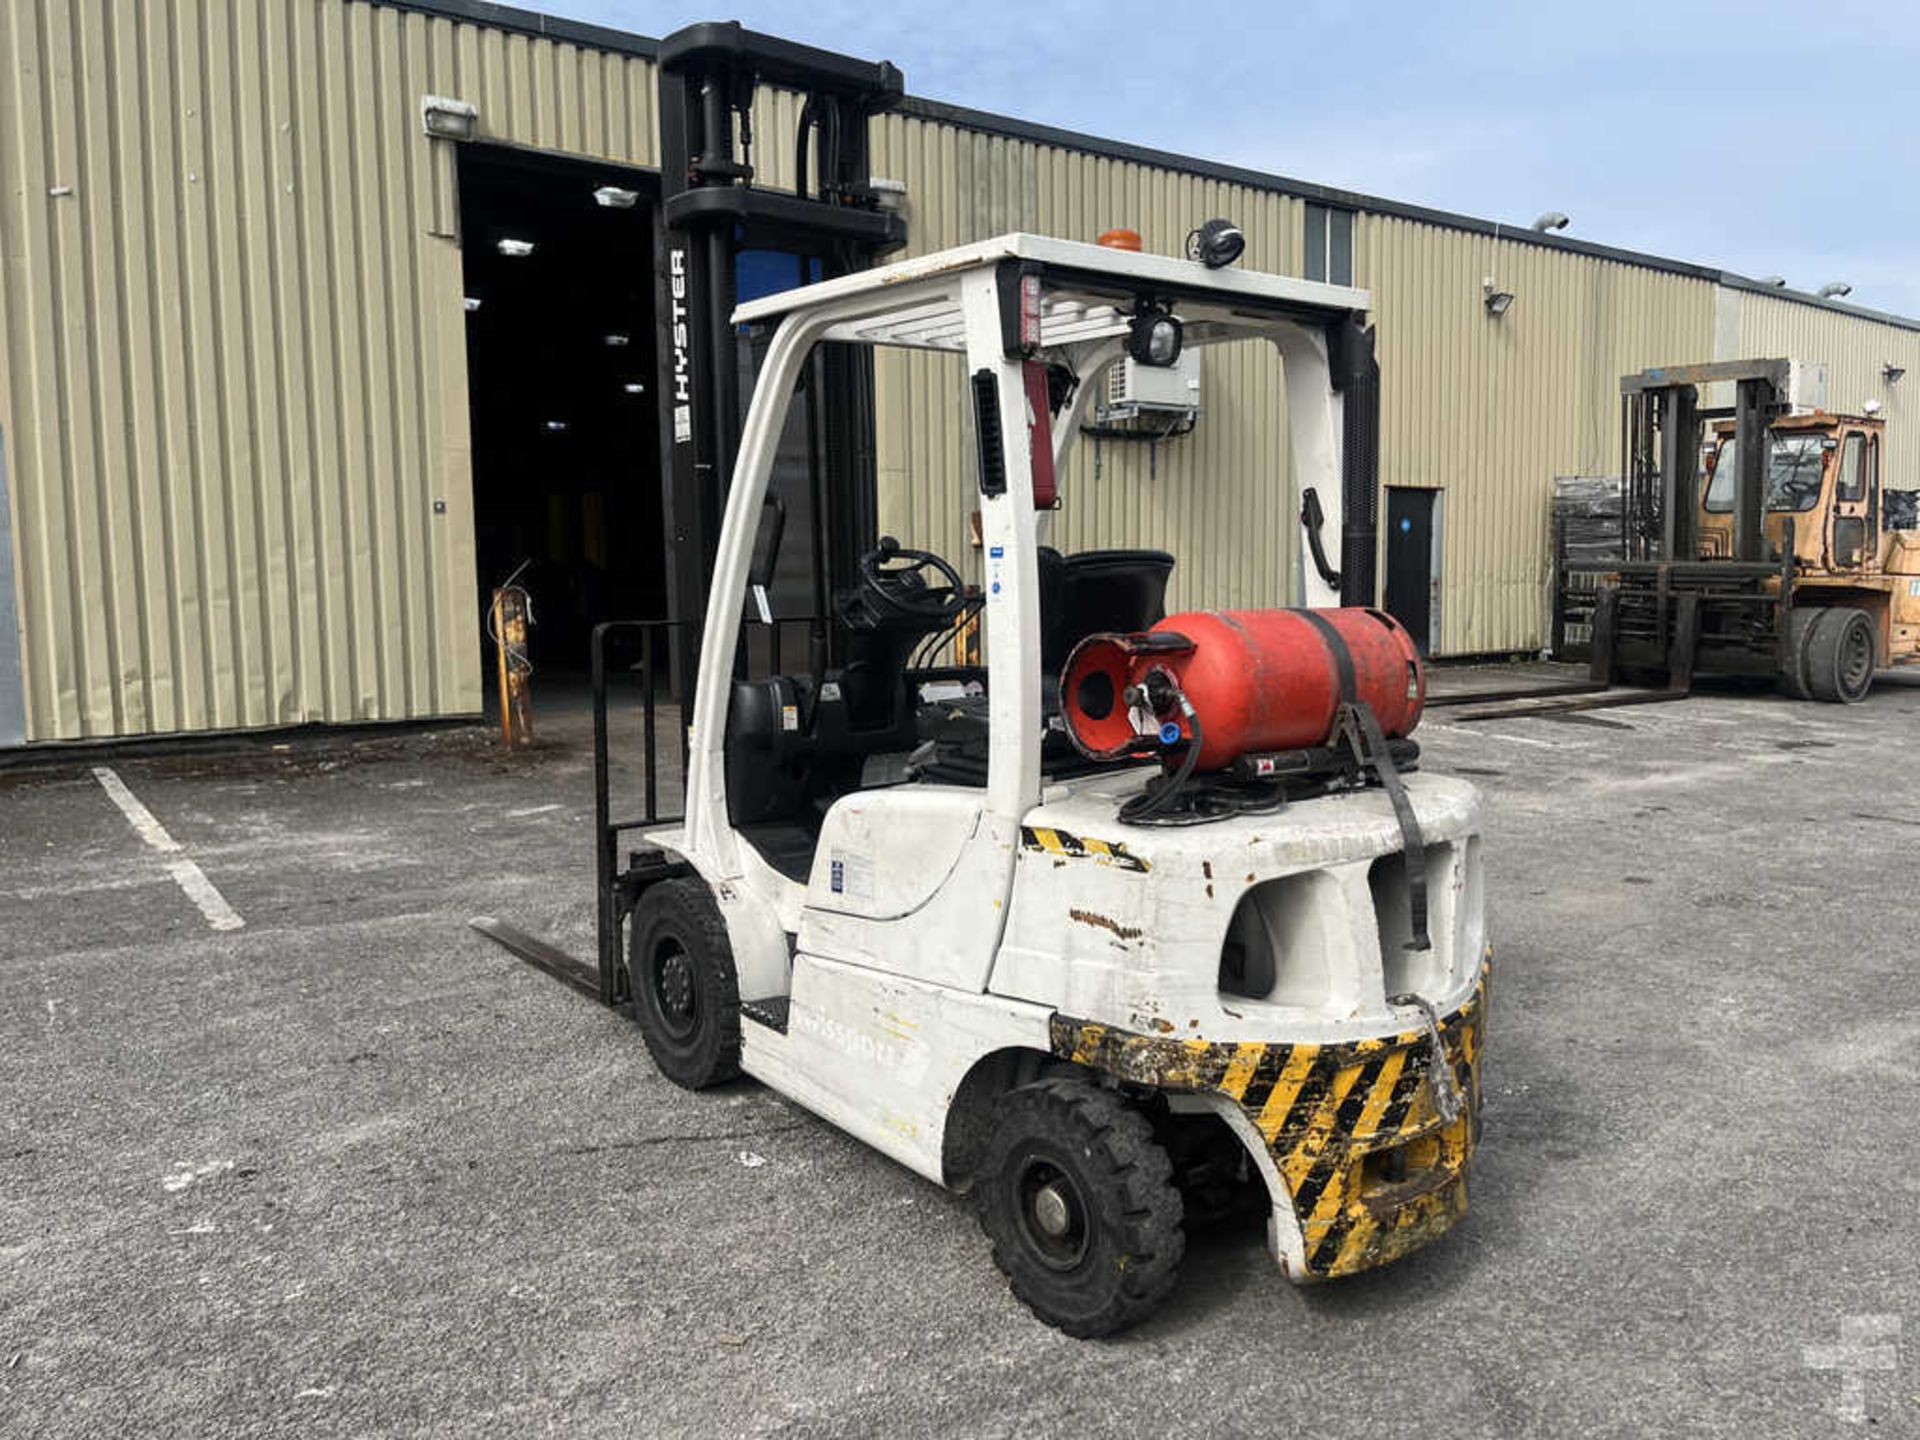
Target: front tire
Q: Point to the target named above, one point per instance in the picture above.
(1800, 628)
(686, 994)
(1840, 656)
(1079, 1202)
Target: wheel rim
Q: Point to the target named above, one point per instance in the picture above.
(1856, 659)
(676, 998)
(1052, 1213)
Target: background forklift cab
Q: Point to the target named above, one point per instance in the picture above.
(1823, 476)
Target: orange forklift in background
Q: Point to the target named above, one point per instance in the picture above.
(1777, 554)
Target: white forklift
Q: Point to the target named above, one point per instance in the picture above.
(1137, 907)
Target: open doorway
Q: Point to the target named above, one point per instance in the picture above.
(560, 363)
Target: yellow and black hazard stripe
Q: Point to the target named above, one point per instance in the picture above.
(1063, 846)
(1322, 1110)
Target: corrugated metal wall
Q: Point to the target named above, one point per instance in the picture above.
(233, 366)
(1491, 409)
(1856, 351)
(1217, 498)
(233, 377)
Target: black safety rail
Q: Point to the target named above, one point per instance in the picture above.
(641, 649)
(636, 647)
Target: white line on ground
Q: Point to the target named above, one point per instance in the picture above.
(192, 879)
(186, 874)
(138, 816)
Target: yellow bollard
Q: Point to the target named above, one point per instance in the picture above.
(512, 613)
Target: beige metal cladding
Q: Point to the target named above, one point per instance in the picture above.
(232, 352)
(233, 359)
(1217, 498)
(1490, 409)
(1487, 409)
(1856, 352)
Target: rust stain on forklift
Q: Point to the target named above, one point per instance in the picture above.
(1103, 922)
(1373, 1170)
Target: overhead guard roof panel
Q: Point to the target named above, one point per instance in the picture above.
(1074, 265)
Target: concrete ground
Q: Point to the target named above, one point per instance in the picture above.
(351, 1169)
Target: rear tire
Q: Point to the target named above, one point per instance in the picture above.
(1079, 1202)
(1840, 656)
(686, 994)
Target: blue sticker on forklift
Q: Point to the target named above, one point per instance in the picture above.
(839, 881)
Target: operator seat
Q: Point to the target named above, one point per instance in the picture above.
(1095, 592)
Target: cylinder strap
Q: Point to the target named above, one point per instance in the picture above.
(1359, 727)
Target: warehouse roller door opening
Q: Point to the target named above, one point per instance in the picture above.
(558, 274)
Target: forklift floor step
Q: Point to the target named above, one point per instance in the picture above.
(771, 1012)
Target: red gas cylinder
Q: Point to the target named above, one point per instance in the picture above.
(1260, 681)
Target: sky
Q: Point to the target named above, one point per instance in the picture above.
(1763, 138)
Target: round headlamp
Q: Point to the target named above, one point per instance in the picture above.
(1216, 243)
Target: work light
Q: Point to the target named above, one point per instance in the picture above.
(1215, 244)
(1154, 337)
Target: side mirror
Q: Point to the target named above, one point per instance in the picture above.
(766, 554)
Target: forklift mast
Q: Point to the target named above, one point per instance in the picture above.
(1661, 418)
(723, 234)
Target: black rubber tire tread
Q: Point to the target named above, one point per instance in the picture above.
(1841, 628)
(1800, 626)
(1135, 1239)
(684, 911)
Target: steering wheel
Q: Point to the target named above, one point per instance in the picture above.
(894, 586)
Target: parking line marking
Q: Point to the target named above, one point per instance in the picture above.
(192, 879)
(186, 873)
(138, 816)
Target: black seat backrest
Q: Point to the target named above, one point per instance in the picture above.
(768, 746)
(1124, 591)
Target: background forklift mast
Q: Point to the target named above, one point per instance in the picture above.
(724, 234)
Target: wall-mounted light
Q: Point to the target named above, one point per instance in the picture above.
(892, 194)
(613, 339)
(634, 387)
(556, 427)
(1834, 289)
(1552, 220)
(1778, 282)
(1892, 371)
(612, 197)
(1869, 408)
(472, 303)
(446, 119)
(514, 249)
(1498, 302)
